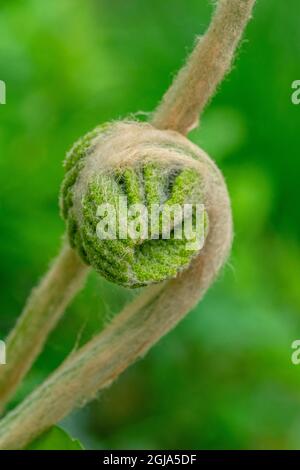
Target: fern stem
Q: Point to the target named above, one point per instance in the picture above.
(42, 311)
(135, 330)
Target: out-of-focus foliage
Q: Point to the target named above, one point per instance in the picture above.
(223, 378)
(55, 439)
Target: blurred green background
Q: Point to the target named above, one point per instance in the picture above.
(223, 378)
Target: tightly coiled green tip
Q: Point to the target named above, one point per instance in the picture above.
(135, 164)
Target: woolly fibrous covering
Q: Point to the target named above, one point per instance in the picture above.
(147, 166)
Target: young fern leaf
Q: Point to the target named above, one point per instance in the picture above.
(142, 323)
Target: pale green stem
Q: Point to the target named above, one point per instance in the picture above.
(209, 62)
(42, 311)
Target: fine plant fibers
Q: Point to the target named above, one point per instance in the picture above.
(156, 167)
(160, 306)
